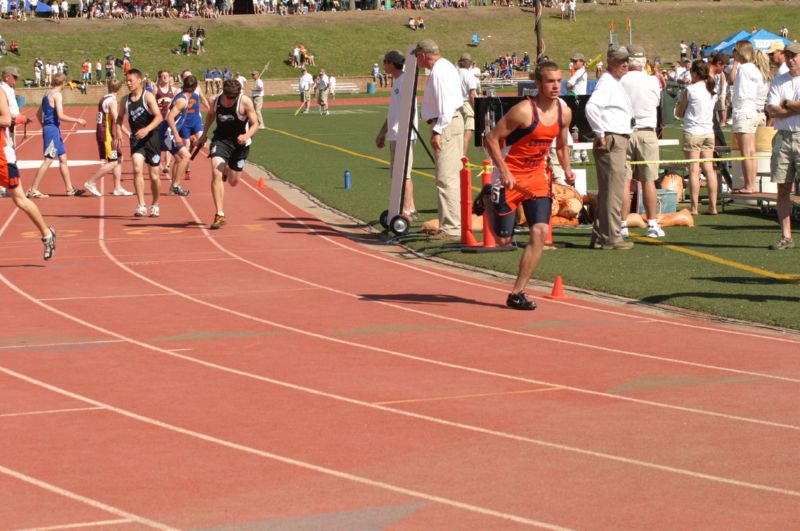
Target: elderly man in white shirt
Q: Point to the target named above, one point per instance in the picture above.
(304, 85)
(578, 85)
(469, 90)
(644, 92)
(441, 108)
(610, 116)
(8, 83)
(783, 104)
(257, 95)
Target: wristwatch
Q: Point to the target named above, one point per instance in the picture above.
(785, 104)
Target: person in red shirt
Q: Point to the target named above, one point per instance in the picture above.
(518, 146)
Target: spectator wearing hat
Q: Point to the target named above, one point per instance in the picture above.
(394, 62)
(644, 92)
(257, 94)
(469, 90)
(322, 87)
(441, 109)
(304, 86)
(610, 114)
(577, 85)
(777, 58)
(783, 104)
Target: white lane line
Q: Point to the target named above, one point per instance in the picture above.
(435, 420)
(101, 297)
(83, 499)
(97, 523)
(65, 344)
(323, 337)
(483, 326)
(49, 411)
(431, 272)
(280, 458)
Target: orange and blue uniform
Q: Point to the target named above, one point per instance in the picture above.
(526, 156)
(9, 174)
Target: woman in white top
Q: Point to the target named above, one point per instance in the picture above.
(696, 107)
(750, 77)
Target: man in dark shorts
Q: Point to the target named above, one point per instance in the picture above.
(108, 142)
(9, 179)
(518, 145)
(144, 117)
(236, 124)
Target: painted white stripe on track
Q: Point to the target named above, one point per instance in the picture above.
(79, 525)
(50, 411)
(83, 499)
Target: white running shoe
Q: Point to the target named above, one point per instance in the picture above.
(122, 191)
(92, 189)
(655, 231)
(141, 211)
(155, 211)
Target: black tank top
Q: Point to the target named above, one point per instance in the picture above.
(139, 115)
(229, 123)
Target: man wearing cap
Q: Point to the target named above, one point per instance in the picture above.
(469, 89)
(441, 109)
(257, 95)
(322, 87)
(783, 104)
(644, 92)
(610, 116)
(304, 86)
(8, 82)
(577, 85)
(777, 58)
(394, 62)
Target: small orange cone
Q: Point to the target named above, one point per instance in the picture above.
(558, 290)
(261, 185)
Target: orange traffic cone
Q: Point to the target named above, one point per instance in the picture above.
(558, 290)
(261, 185)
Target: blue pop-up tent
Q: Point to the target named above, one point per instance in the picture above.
(730, 41)
(762, 40)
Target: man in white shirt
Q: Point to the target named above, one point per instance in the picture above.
(393, 63)
(610, 114)
(578, 85)
(242, 81)
(257, 96)
(322, 86)
(682, 75)
(441, 109)
(304, 86)
(777, 58)
(469, 90)
(644, 92)
(783, 104)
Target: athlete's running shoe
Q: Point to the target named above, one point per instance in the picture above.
(519, 301)
(92, 189)
(122, 191)
(219, 221)
(141, 211)
(155, 211)
(75, 192)
(49, 244)
(36, 194)
(178, 190)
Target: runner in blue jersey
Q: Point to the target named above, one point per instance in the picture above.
(50, 115)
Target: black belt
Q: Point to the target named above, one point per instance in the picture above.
(653, 129)
(433, 120)
(616, 134)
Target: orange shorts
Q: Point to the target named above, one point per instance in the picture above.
(9, 176)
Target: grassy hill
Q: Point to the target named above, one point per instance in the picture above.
(348, 43)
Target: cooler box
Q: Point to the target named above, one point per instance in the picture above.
(666, 202)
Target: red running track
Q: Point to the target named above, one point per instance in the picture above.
(289, 371)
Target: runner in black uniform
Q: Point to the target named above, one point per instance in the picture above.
(143, 118)
(236, 124)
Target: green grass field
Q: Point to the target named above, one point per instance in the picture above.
(347, 43)
(721, 266)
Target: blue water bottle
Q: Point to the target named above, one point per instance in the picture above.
(347, 183)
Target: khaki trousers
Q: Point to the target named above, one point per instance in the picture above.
(610, 163)
(448, 183)
(258, 102)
